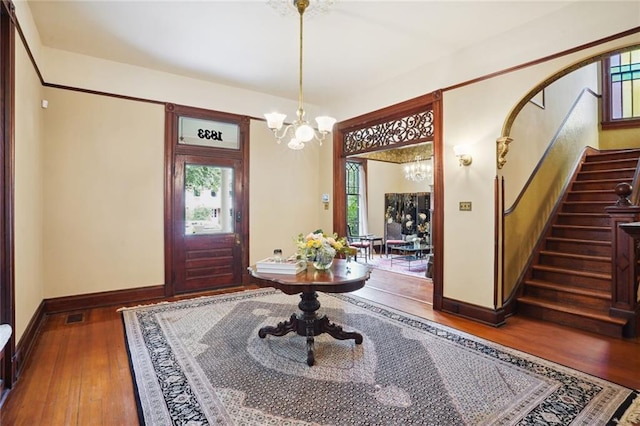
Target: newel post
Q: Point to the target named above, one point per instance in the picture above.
(624, 302)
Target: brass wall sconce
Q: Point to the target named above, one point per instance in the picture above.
(464, 154)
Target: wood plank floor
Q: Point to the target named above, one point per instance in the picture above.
(78, 373)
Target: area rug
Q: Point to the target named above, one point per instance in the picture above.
(416, 268)
(201, 362)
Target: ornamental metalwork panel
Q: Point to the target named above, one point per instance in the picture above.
(413, 128)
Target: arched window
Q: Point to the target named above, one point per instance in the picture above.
(621, 90)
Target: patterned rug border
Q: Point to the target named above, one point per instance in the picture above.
(627, 413)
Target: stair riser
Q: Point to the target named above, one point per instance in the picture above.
(582, 233)
(570, 320)
(593, 207)
(576, 264)
(572, 280)
(622, 175)
(583, 220)
(626, 163)
(610, 156)
(596, 185)
(577, 248)
(569, 299)
(604, 195)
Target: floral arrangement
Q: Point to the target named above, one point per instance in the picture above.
(318, 245)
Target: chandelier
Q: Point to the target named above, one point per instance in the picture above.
(300, 131)
(417, 171)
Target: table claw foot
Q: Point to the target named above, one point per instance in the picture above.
(281, 329)
(337, 332)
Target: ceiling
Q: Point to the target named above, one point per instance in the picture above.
(351, 47)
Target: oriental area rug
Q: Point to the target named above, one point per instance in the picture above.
(201, 362)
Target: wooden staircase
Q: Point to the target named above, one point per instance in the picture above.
(569, 281)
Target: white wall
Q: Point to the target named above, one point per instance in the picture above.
(28, 214)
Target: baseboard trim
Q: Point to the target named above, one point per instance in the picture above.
(481, 314)
(98, 300)
(27, 341)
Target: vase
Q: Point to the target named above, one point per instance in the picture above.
(323, 261)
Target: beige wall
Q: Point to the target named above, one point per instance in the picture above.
(535, 128)
(103, 193)
(618, 139)
(286, 192)
(28, 215)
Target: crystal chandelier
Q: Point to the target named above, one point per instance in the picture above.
(300, 131)
(417, 171)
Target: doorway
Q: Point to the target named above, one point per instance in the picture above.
(206, 235)
(404, 127)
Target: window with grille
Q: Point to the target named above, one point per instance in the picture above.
(621, 90)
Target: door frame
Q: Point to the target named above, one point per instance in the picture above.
(431, 101)
(171, 150)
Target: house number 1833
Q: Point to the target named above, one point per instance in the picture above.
(210, 134)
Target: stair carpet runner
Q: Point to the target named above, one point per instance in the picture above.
(569, 281)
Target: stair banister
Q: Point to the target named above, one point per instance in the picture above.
(624, 255)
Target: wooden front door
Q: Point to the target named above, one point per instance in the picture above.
(208, 223)
(206, 201)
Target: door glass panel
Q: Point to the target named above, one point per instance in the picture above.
(208, 199)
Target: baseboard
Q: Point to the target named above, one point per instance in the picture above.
(27, 341)
(481, 314)
(102, 299)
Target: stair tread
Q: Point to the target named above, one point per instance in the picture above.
(580, 241)
(573, 272)
(576, 255)
(584, 227)
(584, 312)
(599, 294)
(583, 214)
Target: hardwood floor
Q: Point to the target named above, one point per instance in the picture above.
(78, 373)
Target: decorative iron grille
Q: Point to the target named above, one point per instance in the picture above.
(413, 128)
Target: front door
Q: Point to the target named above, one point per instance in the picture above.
(206, 200)
(208, 223)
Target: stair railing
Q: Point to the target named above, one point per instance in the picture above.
(625, 236)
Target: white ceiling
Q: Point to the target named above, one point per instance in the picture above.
(354, 46)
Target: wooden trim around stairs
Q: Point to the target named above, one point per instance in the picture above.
(481, 314)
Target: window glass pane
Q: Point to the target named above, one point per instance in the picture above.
(616, 101)
(626, 99)
(215, 134)
(208, 199)
(353, 197)
(624, 75)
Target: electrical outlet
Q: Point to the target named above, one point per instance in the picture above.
(465, 206)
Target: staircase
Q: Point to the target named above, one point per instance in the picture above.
(569, 281)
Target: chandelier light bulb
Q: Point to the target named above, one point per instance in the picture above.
(295, 144)
(304, 133)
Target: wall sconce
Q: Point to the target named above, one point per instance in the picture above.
(463, 153)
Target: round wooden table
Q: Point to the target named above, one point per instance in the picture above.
(342, 277)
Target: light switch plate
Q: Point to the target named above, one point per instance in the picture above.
(465, 206)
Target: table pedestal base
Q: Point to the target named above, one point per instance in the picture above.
(309, 324)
